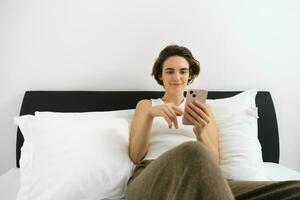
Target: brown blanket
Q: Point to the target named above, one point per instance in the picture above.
(189, 172)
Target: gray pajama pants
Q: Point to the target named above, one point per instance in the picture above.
(189, 172)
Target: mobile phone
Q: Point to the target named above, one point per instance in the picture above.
(191, 95)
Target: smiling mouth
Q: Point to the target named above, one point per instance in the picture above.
(176, 84)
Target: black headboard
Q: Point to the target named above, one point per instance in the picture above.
(86, 101)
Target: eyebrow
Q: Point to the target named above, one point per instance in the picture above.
(182, 69)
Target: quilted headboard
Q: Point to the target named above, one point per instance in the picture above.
(87, 101)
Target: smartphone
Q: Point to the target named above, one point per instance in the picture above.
(191, 95)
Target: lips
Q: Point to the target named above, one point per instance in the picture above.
(176, 84)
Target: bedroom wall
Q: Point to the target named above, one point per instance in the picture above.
(111, 45)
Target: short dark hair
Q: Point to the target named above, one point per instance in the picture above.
(175, 50)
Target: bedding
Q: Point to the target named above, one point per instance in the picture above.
(276, 172)
(85, 153)
(78, 103)
(240, 150)
(236, 117)
(91, 101)
(10, 181)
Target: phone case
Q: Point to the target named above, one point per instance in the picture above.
(191, 95)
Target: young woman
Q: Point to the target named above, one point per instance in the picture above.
(174, 161)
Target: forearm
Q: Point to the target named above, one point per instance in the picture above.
(139, 138)
(205, 139)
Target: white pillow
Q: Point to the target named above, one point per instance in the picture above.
(125, 114)
(74, 157)
(236, 118)
(240, 149)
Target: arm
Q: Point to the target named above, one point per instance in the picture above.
(142, 123)
(205, 127)
(140, 130)
(210, 137)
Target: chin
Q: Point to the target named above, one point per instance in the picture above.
(177, 89)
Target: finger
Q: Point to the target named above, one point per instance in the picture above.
(178, 113)
(177, 110)
(190, 118)
(171, 114)
(176, 123)
(202, 106)
(200, 112)
(174, 116)
(196, 116)
(167, 120)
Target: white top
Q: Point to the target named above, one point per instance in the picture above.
(162, 138)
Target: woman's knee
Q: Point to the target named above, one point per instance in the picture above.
(193, 150)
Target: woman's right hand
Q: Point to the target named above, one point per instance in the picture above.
(168, 111)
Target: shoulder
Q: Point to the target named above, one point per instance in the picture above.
(142, 107)
(144, 103)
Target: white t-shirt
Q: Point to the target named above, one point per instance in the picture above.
(162, 138)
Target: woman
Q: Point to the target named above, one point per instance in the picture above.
(181, 162)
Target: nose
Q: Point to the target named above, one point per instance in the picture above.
(177, 76)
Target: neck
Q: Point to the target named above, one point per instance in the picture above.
(176, 99)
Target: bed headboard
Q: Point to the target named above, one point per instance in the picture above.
(87, 101)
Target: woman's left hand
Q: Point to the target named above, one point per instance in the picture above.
(205, 127)
(197, 113)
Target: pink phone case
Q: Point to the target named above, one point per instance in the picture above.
(191, 95)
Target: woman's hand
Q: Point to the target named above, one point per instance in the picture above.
(168, 111)
(198, 114)
(205, 127)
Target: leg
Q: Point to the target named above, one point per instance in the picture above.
(264, 190)
(187, 171)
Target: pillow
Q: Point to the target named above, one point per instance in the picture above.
(240, 149)
(125, 114)
(236, 118)
(74, 157)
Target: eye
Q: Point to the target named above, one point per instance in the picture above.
(183, 72)
(169, 72)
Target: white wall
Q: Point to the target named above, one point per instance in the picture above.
(111, 45)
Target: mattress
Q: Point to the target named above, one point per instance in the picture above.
(277, 172)
(10, 181)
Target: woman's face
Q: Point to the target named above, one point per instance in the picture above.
(175, 74)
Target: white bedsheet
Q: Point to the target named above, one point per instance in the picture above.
(277, 172)
(10, 181)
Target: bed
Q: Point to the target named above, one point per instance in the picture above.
(90, 101)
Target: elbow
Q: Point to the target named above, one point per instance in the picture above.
(134, 156)
(136, 162)
(134, 159)
(136, 152)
